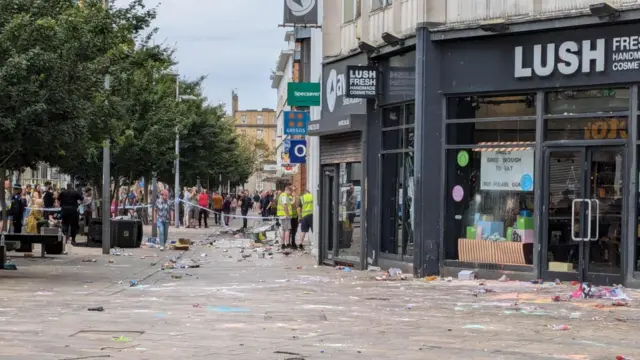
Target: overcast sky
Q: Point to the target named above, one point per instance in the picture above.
(235, 43)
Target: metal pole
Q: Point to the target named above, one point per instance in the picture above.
(220, 184)
(106, 201)
(154, 199)
(106, 187)
(176, 191)
(176, 204)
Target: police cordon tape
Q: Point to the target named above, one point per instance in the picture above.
(247, 216)
(59, 209)
(130, 207)
(230, 215)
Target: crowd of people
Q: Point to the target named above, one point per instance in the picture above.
(32, 206)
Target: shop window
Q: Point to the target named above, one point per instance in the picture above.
(489, 205)
(600, 101)
(397, 180)
(475, 107)
(604, 128)
(635, 236)
(397, 203)
(493, 131)
(349, 212)
(351, 10)
(377, 4)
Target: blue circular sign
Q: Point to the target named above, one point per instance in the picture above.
(526, 182)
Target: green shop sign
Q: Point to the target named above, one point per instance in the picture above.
(303, 94)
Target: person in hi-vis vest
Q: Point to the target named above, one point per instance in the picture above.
(305, 212)
(283, 212)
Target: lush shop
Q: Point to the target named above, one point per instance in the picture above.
(534, 135)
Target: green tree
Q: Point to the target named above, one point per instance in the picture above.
(53, 57)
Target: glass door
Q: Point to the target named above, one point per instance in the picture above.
(562, 252)
(327, 204)
(584, 226)
(605, 174)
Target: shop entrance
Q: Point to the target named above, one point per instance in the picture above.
(327, 213)
(583, 207)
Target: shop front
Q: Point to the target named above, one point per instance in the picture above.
(390, 138)
(341, 131)
(537, 149)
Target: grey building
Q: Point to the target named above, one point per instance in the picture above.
(503, 146)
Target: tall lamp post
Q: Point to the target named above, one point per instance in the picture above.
(176, 203)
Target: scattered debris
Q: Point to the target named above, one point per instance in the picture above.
(431, 278)
(561, 327)
(588, 291)
(97, 308)
(503, 278)
(482, 290)
(466, 275)
(90, 260)
(133, 283)
(473, 326)
(9, 265)
(559, 298)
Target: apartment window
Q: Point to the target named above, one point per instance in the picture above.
(243, 119)
(350, 10)
(377, 4)
(259, 119)
(259, 185)
(259, 134)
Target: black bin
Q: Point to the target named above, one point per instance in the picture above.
(126, 233)
(94, 234)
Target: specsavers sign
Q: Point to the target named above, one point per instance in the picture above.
(507, 170)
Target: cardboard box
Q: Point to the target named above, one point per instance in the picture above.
(524, 223)
(526, 236)
(560, 266)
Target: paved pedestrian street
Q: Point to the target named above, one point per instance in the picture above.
(238, 305)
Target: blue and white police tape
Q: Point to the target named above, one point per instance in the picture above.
(59, 209)
(231, 215)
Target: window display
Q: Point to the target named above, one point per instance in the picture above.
(489, 217)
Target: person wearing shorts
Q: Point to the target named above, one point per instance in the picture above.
(305, 211)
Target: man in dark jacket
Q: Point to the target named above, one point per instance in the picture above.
(69, 201)
(18, 207)
(48, 200)
(246, 205)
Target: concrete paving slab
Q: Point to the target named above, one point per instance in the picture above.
(287, 308)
